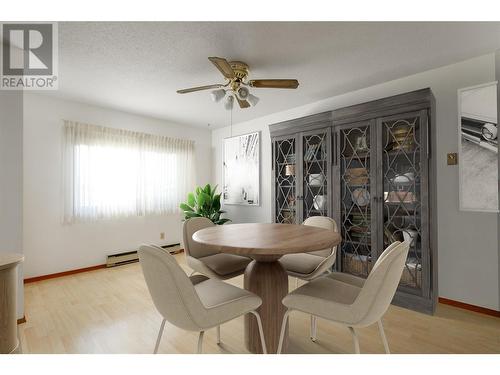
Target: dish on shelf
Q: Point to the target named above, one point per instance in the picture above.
(361, 197)
(290, 170)
(397, 146)
(319, 202)
(403, 178)
(402, 132)
(356, 176)
(401, 197)
(316, 179)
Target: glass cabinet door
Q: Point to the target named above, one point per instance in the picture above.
(404, 175)
(285, 180)
(316, 160)
(356, 164)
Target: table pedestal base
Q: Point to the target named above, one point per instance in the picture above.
(270, 282)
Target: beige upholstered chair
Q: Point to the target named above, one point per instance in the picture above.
(194, 303)
(350, 300)
(209, 263)
(308, 266)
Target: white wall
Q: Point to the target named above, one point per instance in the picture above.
(11, 180)
(50, 246)
(468, 247)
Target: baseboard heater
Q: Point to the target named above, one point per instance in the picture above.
(132, 256)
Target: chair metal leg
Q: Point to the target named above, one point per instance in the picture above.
(160, 333)
(313, 328)
(384, 339)
(356, 341)
(283, 328)
(261, 331)
(218, 335)
(200, 342)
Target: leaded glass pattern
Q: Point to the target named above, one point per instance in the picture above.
(315, 176)
(355, 201)
(285, 180)
(402, 195)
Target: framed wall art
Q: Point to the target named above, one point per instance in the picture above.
(241, 164)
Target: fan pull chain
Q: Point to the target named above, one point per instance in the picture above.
(231, 121)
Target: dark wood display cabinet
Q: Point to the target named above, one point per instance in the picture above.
(370, 167)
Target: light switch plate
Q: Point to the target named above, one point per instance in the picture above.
(452, 158)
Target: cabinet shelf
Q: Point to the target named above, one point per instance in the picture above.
(401, 152)
(401, 203)
(317, 186)
(318, 211)
(396, 153)
(315, 161)
(357, 185)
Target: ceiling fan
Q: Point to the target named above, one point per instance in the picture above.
(236, 85)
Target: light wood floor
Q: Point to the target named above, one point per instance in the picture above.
(110, 311)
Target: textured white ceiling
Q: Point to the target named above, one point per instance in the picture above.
(137, 67)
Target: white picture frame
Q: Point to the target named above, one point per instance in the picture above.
(465, 166)
(241, 170)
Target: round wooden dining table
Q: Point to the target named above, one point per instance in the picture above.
(264, 276)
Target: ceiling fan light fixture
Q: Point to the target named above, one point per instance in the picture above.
(243, 93)
(218, 95)
(253, 100)
(229, 102)
(237, 85)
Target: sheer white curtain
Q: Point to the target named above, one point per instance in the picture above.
(112, 173)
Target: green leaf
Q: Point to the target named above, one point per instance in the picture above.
(222, 221)
(204, 200)
(215, 217)
(216, 202)
(213, 191)
(185, 207)
(191, 200)
(190, 214)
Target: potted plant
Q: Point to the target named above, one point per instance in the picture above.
(204, 203)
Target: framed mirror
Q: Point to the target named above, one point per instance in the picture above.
(478, 148)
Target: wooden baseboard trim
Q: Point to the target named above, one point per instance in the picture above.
(466, 306)
(72, 272)
(177, 252)
(65, 273)
(22, 320)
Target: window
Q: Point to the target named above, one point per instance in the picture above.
(112, 173)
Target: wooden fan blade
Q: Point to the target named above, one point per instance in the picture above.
(223, 66)
(199, 88)
(243, 103)
(274, 83)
